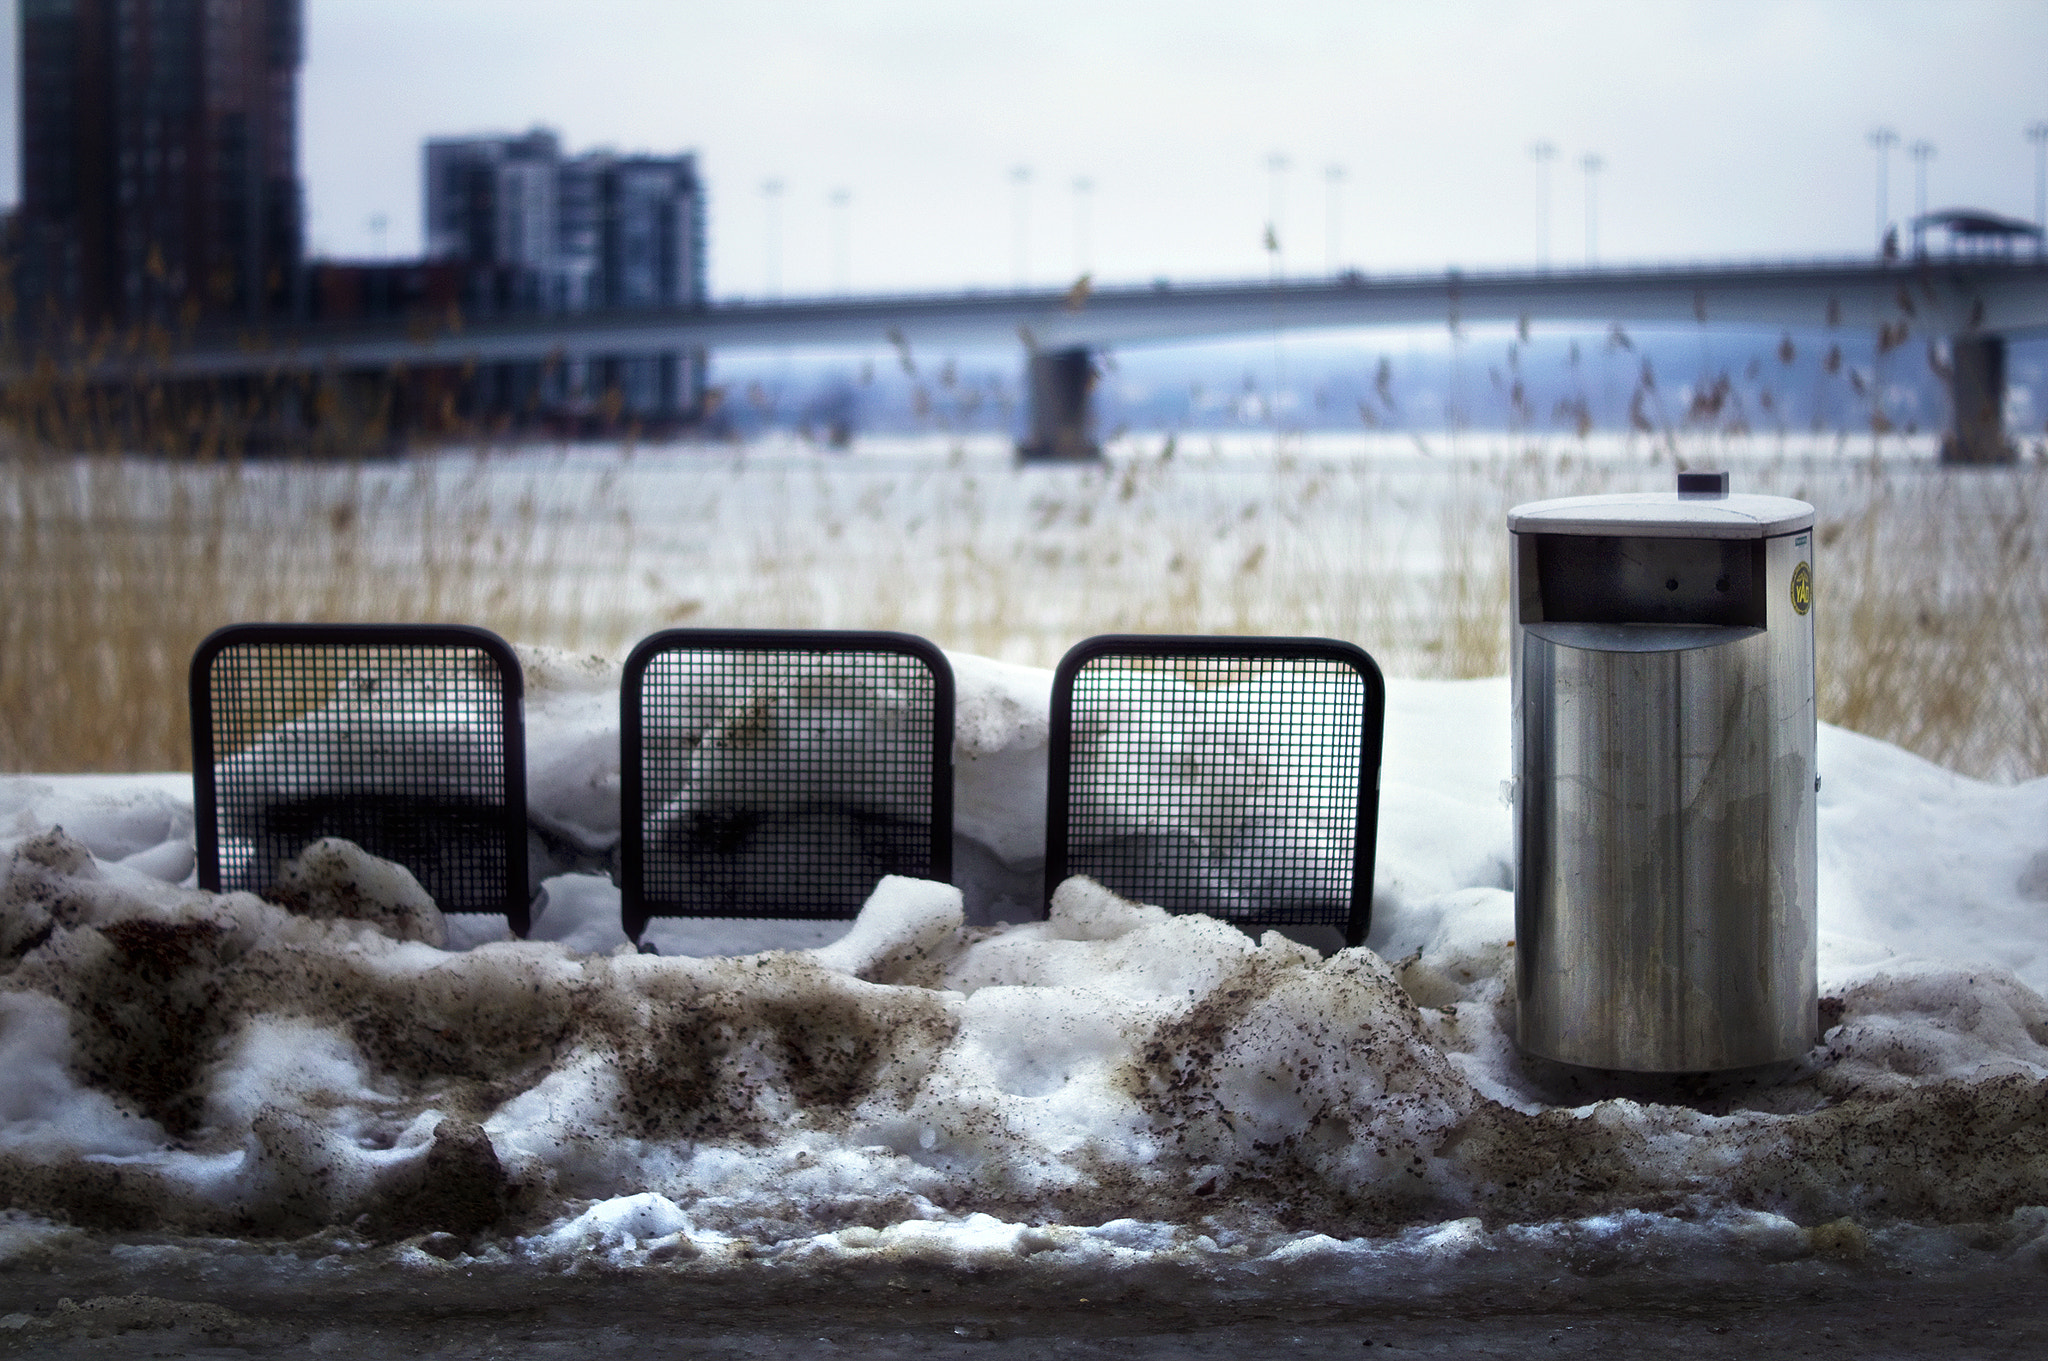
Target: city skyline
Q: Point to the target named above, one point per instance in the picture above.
(875, 146)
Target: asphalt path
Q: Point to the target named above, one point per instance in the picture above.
(136, 1300)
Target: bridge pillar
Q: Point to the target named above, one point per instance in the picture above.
(1061, 384)
(1977, 402)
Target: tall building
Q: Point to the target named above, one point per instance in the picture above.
(591, 231)
(644, 222)
(160, 177)
(491, 201)
(537, 229)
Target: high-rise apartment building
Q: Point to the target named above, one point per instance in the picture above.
(538, 229)
(492, 201)
(160, 176)
(591, 231)
(645, 216)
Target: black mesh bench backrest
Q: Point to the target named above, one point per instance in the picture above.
(1233, 776)
(770, 773)
(406, 739)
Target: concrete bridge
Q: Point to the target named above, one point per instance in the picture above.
(1974, 303)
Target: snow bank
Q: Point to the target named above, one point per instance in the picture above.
(1109, 1084)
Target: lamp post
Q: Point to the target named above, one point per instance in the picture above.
(1333, 216)
(1084, 190)
(1276, 170)
(1882, 140)
(1020, 226)
(771, 197)
(842, 241)
(1543, 152)
(1592, 164)
(2037, 133)
(1922, 153)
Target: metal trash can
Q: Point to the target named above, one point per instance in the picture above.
(1664, 778)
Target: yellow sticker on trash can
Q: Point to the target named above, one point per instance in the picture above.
(1802, 588)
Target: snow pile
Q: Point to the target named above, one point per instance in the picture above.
(336, 878)
(572, 762)
(1002, 731)
(1112, 1083)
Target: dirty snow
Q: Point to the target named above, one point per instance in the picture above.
(953, 1080)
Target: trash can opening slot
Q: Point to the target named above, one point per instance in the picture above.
(1615, 580)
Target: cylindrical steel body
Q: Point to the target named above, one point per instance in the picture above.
(1665, 787)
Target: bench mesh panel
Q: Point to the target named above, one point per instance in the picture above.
(399, 746)
(1231, 783)
(783, 780)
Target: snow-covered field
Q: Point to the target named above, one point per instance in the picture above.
(213, 1084)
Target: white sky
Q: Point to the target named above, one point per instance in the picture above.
(1733, 128)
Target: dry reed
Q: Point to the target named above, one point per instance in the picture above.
(116, 567)
(1933, 583)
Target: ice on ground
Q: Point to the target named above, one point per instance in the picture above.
(1108, 1084)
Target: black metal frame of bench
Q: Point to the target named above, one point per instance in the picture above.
(678, 869)
(1169, 869)
(388, 806)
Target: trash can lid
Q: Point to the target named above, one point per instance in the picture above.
(1663, 515)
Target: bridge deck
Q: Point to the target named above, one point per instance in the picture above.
(1945, 296)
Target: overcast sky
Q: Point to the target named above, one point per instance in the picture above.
(1733, 128)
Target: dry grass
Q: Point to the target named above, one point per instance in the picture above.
(116, 567)
(1933, 583)
(1932, 619)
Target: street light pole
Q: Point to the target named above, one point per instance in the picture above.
(1592, 164)
(2038, 135)
(1084, 189)
(1333, 223)
(1543, 151)
(771, 194)
(1883, 140)
(842, 241)
(1276, 167)
(1020, 239)
(1922, 153)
